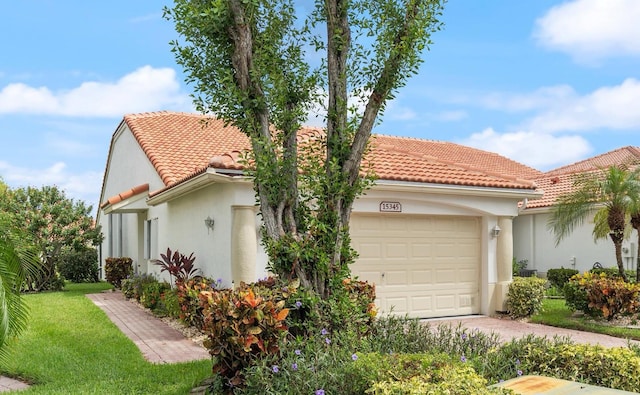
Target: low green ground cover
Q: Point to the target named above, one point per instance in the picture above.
(71, 347)
(556, 313)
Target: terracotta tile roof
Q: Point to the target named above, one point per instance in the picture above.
(180, 146)
(622, 156)
(559, 181)
(125, 195)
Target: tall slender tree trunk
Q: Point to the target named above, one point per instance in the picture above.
(635, 223)
(617, 238)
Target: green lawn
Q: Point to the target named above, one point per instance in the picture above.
(555, 313)
(71, 347)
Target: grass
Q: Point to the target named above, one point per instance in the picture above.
(556, 313)
(72, 347)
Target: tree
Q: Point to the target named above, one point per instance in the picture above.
(248, 62)
(17, 261)
(635, 224)
(611, 194)
(54, 224)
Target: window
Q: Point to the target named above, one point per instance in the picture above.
(151, 238)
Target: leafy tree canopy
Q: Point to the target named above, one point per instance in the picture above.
(52, 223)
(611, 194)
(262, 65)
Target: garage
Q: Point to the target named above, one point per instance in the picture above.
(423, 265)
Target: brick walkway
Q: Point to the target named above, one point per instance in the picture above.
(158, 342)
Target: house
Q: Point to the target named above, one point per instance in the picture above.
(536, 243)
(434, 233)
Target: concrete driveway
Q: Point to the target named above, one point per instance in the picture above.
(508, 329)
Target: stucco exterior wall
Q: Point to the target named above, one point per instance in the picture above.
(184, 228)
(534, 242)
(127, 167)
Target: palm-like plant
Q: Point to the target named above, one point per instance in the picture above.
(635, 224)
(611, 193)
(16, 263)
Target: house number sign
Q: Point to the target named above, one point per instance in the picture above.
(390, 207)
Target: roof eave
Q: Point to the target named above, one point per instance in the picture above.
(209, 177)
(447, 189)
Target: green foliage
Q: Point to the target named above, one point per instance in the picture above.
(53, 224)
(132, 286)
(419, 374)
(611, 272)
(507, 361)
(559, 277)
(350, 307)
(248, 63)
(170, 304)
(117, 269)
(391, 335)
(15, 265)
(525, 296)
(242, 326)
(598, 295)
(187, 294)
(179, 266)
(611, 297)
(152, 293)
(610, 194)
(575, 296)
(79, 265)
(617, 368)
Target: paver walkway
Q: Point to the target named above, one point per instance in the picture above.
(508, 329)
(7, 384)
(158, 342)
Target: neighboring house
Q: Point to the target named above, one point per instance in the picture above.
(536, 243)
(426, 232)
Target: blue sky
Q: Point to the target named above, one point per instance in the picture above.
(543, 82)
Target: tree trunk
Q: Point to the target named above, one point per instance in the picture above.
(617, 238)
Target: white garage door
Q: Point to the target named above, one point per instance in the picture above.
(425, 266)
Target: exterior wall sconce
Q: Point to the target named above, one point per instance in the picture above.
(209, 223)
(495, 232)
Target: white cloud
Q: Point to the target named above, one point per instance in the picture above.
(78, 186)
(613, 107)
(145, 89)
(543, 97)
(538, 150)
(590, 30)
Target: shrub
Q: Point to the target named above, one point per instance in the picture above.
(152, 293)
(559, 277)
(178, 266)
(599, 295)
(613, 272)
(79, 266)
(187, 295)
(616, 367)
(525, 296)
(575, 295)
(117, 269)
(132, 286)
(171, 304)
(611, 297)
(335, 368)
(242, 326)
